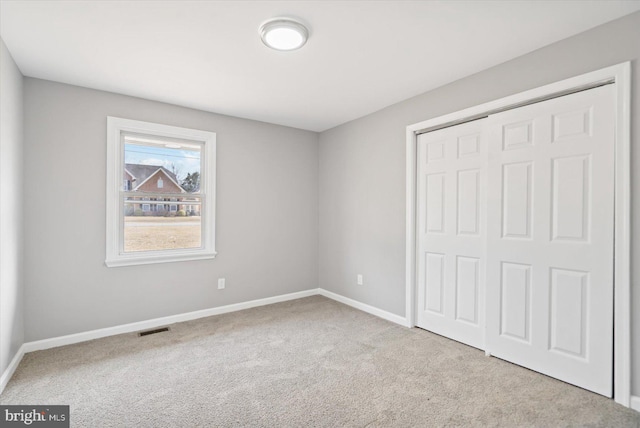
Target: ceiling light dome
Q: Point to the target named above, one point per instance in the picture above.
(283, 34)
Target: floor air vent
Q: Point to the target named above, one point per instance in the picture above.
(157, 330)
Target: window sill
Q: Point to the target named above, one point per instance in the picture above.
(146, 259)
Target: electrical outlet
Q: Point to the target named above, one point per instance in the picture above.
(221, 283)
(360, 280)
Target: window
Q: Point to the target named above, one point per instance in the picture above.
(149, 164)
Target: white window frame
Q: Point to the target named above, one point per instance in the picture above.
(115, 255)
(146, 208)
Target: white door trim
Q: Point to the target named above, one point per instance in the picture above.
(621, 76)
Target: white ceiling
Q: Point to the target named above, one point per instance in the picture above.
(361, 55)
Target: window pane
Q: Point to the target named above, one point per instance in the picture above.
(154, 165)
(155, 225)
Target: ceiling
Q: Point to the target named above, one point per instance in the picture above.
(361, 55)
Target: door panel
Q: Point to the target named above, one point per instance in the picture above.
(549, 255)
(434, 283)
(517, 195)
(570, 198)
(515, 304)
(451, 236)
(434, 213)
(468, 202)
(467, 281)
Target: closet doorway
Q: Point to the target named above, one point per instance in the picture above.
(515, 231)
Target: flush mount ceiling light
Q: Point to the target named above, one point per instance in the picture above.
(283, 34)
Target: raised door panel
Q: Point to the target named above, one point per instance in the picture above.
(571, 182)
(515, 301)
(469, 146)
(435, 151)
(569, 313)
(467, 282)
(517, 200)
(468, 202)
(517, 135)
(434, 283)
(572, 124)
(435, 200)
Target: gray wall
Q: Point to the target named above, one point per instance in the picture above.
(11, 142)
(267, 215)
(362, 167)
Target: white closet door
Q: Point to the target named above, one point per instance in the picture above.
(550, 237)
(451, 236)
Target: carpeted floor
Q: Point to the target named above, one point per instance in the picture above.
(306, 363)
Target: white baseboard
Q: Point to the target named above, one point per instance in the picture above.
(54, 342)
(13, 365)
(158, 322)
(70, 339)
(364, 307)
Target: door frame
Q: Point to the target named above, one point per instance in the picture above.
(618, 75)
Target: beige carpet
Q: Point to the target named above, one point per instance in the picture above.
(305, 363)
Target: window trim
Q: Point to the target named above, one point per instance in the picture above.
(115, 208)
